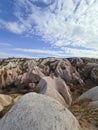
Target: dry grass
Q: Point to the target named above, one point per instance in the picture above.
(7, 108)
(84, 113)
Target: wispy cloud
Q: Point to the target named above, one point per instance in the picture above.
(41, 52)
(61, 23)
(80, 52)
(64, 52)
(20, 55)
(5, 44)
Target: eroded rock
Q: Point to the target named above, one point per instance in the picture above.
(5, 100)
(56, 88)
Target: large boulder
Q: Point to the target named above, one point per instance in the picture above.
(91, 94)
(56, 88)
(38, 112)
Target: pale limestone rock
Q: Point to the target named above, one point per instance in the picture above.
(5, 100)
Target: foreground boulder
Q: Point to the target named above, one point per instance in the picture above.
(38, 112)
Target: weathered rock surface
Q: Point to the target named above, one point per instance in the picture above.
(64, 69)
(91, 94)
(56, 88)
(38, 112)
(94, 74)
(26, 79)
(8, 76)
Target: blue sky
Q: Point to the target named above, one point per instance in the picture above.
(49, 28)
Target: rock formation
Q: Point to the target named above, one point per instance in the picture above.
(67, 81)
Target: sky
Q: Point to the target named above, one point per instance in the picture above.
(48, 28)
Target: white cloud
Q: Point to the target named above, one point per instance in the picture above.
(61, 23)
(14, 27)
